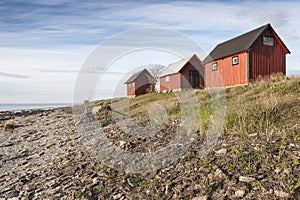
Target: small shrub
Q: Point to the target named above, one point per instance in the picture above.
(10, 125)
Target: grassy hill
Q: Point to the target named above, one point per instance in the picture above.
(257, 155)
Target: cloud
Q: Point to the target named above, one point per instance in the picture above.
(74, 22)
(77, 71)
(5, 74)
(50, 40)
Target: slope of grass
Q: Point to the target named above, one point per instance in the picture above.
(260, 141)
(259, 107)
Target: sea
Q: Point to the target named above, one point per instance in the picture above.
(21, 106)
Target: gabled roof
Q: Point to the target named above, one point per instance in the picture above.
(239, 44)
(175, 67)
(136, 75)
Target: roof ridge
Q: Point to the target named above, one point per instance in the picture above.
(237, 44)
(136, 75)
(177, 65)
(242, 35)
(185, 58)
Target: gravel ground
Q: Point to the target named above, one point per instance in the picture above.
(46, 157)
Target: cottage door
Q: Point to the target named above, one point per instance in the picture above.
(194, 79)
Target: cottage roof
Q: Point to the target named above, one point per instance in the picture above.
(239, 44)
(175, 67)
(136, 75)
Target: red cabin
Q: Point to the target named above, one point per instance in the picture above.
(184, 74)
(139, 83)
(243, 59)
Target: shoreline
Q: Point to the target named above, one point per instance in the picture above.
(34, 106)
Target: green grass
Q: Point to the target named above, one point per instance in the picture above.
(253, 108)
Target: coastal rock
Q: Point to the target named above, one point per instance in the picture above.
(49, 158)
(281, 194)
(239, 193)
(221, 152)
(246, 179)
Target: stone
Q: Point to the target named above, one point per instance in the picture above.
(30, 187)
(95, 181)
(239, 193)
(277, 171)
(118, 196)
(246, 179)
(287, 171)
(200, 198)
(221, 151)
(281, 194)
(219, 174)
(122, 143)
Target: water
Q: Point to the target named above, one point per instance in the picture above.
(18, 107)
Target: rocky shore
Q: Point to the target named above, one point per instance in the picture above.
(43, 157)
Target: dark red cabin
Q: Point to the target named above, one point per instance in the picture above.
(184, 74)
(139, 83)
(243, 59)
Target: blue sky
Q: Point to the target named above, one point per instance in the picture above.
(44, 43)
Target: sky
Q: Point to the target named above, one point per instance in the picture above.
(44, 44)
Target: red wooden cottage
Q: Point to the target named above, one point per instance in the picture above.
(139, 83)
(184, 74)
(243, 59)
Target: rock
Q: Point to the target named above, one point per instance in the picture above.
(239, 193)
(287, 171)
(277, 171)
(30, 187)
(292, 145)
(281, 194)
(252, 134)
(221, 151)
(95, 181)
(219, 173)
(122, 143)
(14, 198)
(200, 198)
(246, 179)
(118, 196)
(131, 182)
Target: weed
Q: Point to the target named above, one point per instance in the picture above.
(248, 171)
(204, 163)
(100, 189)
(105, 168)
(79, 194)
(208, 186)
(230, 167)
(113, 181)
(257, 185)
(183, 160)
(68, 164)
(296, 186)
(295, 163)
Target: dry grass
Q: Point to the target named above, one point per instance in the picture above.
(259, 107)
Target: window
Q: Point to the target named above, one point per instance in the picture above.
(167, 79)
(235, 60)
(268, 41)
(133, 84)
(215, 66)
